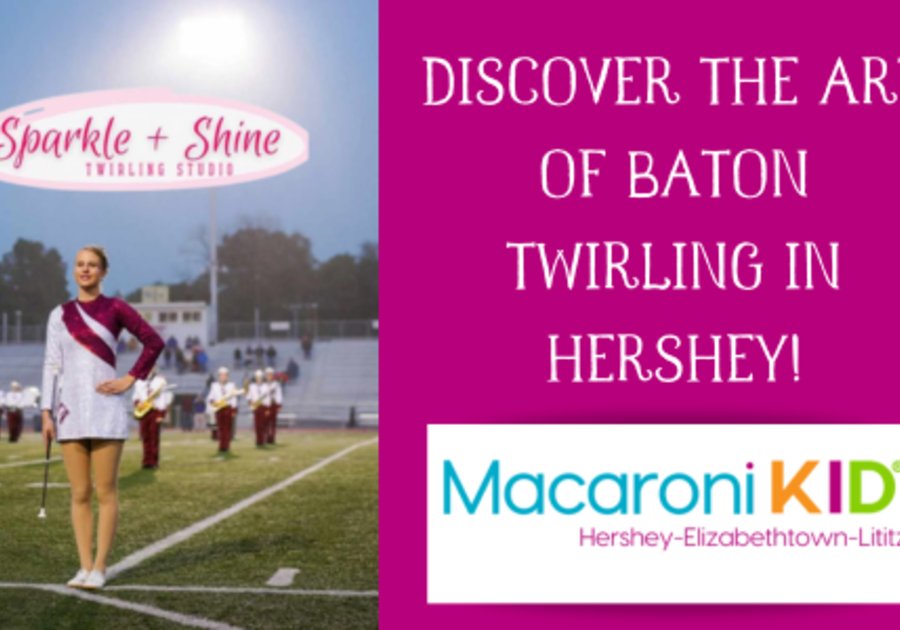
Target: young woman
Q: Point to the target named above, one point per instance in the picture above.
(92, 421)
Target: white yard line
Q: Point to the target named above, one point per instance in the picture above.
(31, 462)
(170, 541)
(240, 590)
(153, 611)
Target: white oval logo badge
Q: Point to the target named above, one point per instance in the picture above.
(146, 139)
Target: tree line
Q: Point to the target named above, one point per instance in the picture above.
(258, 268)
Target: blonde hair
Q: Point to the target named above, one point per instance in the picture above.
(100, 253)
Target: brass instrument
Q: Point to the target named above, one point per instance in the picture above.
(147, 406)
(257, 404)
(223, 402)
(29, 392)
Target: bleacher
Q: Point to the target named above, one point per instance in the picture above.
(23, 363)
(340, 377)
(339, 381)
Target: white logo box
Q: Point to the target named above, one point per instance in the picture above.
(542, 558)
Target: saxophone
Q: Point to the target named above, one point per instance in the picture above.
(147, 406)
(223, 402)
(258, 403)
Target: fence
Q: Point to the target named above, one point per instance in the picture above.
(11, 333)
(325, 329)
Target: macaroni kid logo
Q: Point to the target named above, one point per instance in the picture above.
(662, 513)
(495, 492)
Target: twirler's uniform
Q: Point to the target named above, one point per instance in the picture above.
(151, 423)
(226, 415)
(81, 354)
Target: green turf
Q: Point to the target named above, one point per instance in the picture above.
(268, 612)
(323, 525)
(326, 525)
(35, 610)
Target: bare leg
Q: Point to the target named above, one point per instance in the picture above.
(77, 458)
(106, 455)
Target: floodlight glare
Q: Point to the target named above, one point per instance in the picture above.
(214, 41)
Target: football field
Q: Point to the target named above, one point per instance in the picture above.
(280, 537)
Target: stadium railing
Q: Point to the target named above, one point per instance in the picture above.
(322, 330)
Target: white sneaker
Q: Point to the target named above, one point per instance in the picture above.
(95, 580)
(78, 580)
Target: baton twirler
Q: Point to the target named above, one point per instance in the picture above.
(43, 512)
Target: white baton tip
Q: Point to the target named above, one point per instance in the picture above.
(43, 513)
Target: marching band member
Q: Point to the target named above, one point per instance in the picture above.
(151, 421)
(15, 401)
(83, 393)
(2, 405)
(259, 397)
(222, 399)
(276, 397)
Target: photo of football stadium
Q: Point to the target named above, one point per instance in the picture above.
(189, 378)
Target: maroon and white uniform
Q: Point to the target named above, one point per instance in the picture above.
(277, 397)
(150, 423)
(259, 392)
(81, 354)
(15, 401)
(225, 416)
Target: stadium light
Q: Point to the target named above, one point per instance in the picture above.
(215, 44)
(215, 41)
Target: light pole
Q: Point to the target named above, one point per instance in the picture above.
(315, 308)
(295, 325)
(215, 45)
(309, 307)
(213, 271)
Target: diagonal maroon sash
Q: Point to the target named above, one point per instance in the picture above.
(83, 334)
